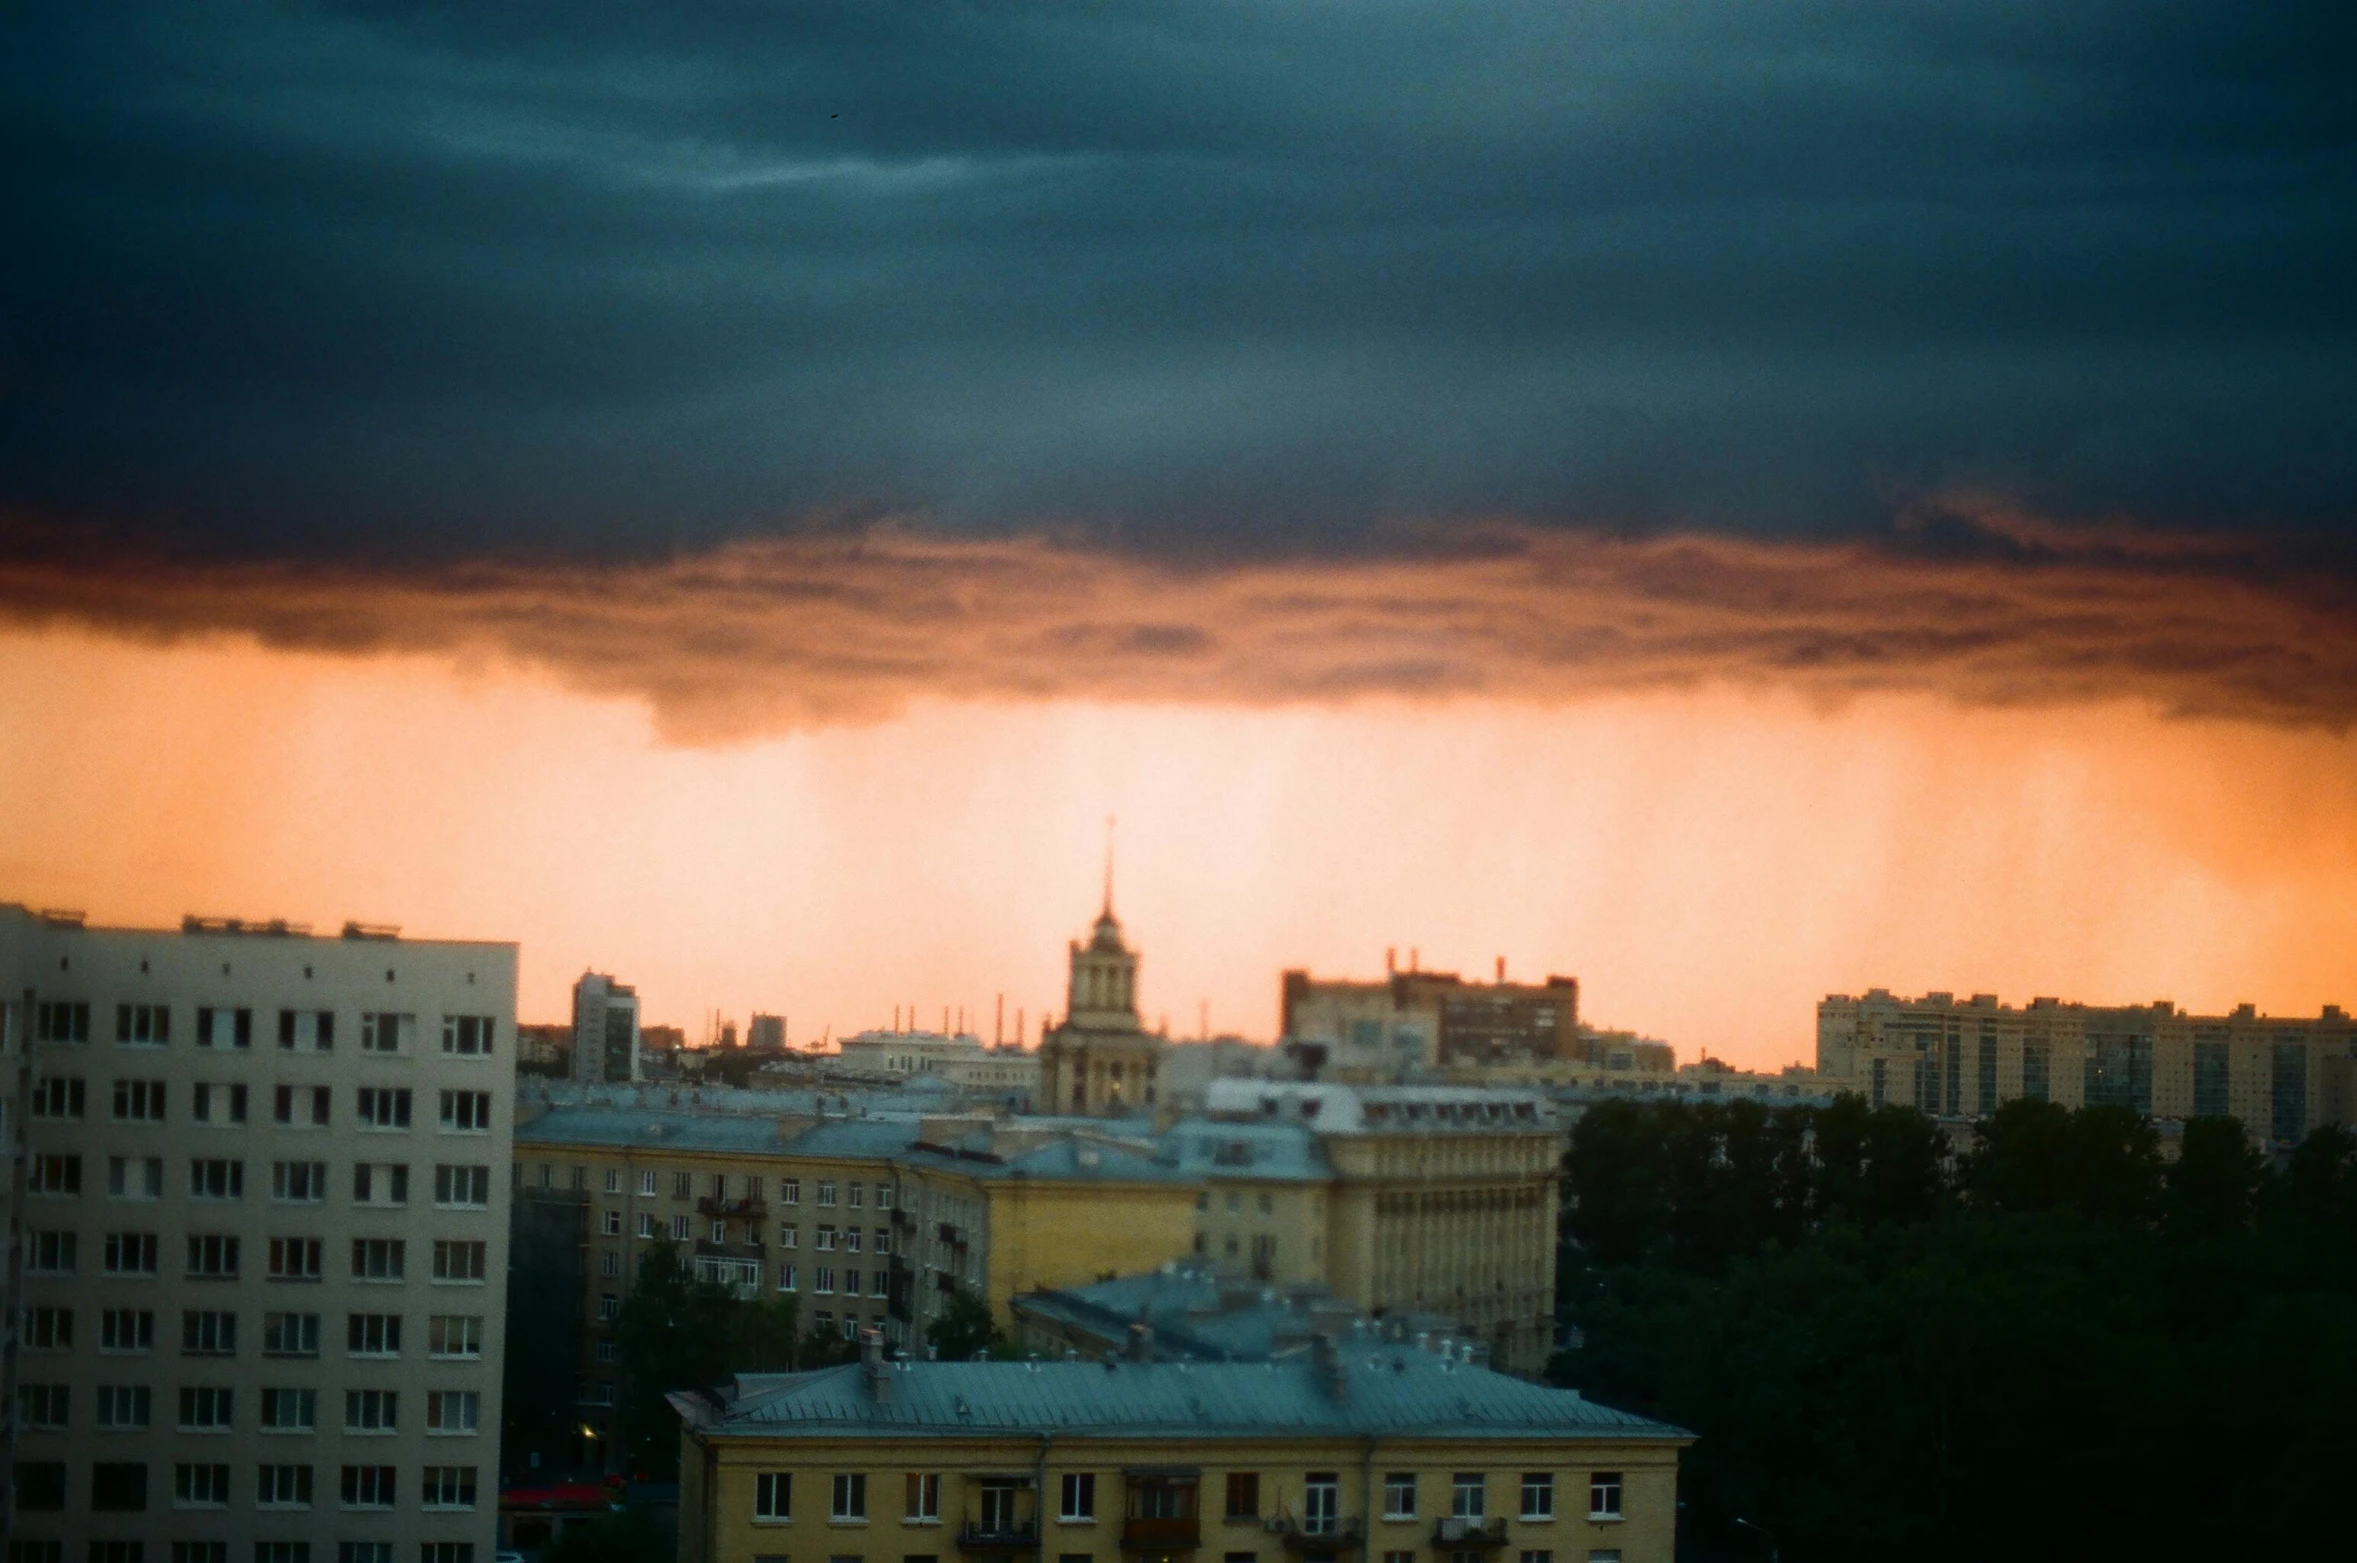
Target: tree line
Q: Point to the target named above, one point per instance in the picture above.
(2055, 1342)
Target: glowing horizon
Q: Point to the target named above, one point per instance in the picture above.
(1708, 861)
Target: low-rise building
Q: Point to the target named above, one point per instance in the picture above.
(1418, 1019)
(962, 1061)
(1187, 1312)
(1357, 1449)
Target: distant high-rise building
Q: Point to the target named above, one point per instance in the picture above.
(605, 1030)
(263, 1240)
(1964, 1058)
(766, 1034)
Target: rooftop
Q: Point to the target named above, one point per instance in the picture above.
(1360, 1390)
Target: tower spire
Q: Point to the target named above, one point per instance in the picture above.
(1108, 865)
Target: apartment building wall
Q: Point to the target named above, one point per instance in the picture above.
(1964, 1058)
(176, 1237)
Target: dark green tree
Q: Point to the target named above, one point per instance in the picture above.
(1616, 1183)
(963, 1328)
(674, 1332)
(2213, 1185)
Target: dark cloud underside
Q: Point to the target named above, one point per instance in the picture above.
(1210, 282)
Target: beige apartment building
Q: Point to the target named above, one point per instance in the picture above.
(1356, 1450)
(2281, 1077)
(962, 1061)
(259, 1267)
(1423, 1019)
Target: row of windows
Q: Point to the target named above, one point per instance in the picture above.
(299, 1030)
(218, 1552)
(218, 1256)
(1526, 1555)
(212, 1408)
(773, 1497)
(122, 1487)
(206, 1332)
(751, 1187)
(61, 1098)
(457, 1186)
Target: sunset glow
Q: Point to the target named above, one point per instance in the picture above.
(1709, 863)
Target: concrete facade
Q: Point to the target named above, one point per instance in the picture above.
(262, 1251)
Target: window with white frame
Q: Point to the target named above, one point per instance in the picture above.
(850, 1496)
(1604, 1495)
(1468, 1495)
(372, 1410)
(290, 1410)
(283, 1487)
(1538, 1495)
(447, 1487)
(455, 1335)
(368, 1486)
(460, 1260)
(198, 1485)
(207, 1408)
(773, 1495)
(1399, 1495)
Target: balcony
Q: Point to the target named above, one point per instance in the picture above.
(951, 1237)
(1316, 1535)
(744, 1209)
(1004, 1536)
(707, 1249)
(1161, 1533)
(1463, 1534)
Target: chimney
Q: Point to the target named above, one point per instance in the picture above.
(1141, 1342)
(1390, 960)
(872, 1366)
(1501, 971)
(1326, 1362)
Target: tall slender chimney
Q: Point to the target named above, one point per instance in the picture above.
(1501, 971)
(1390, 960)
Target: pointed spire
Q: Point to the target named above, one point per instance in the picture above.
(1108, 912)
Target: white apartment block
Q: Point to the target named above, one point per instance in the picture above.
(259, 1266)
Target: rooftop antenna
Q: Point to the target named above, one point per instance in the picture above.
(998, 1025)
(1108, 865)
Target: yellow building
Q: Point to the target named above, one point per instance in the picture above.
(1358, 1451)
(865, 1222)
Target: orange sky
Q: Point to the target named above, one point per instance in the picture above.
(1708, 863)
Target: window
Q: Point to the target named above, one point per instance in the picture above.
(295, 1259)
(217, 1103)
(453, 1412)
(208, 1332)
(290, 1335)
(49, 1329)
(51, 1253)
(124, 1408)
(853, 1193)
(1612, 1554)
(118, 1487)
(1321, 1503)
(851, 1496)
(135, 1177)
(683, 1185)
(789, 1235)
(216, 1178)
(143, 1025)
(822, 1281)
(446, 1552)
(773, 1495)
(458, 1261)
(646, 1185)
(1243, 1495)
(311, 1030)
(605, 1351)
(283, 1487)
(212, 1256)
(883, 1196)
(447, 1487)
(61, 1020)
(467, 1112)
(826, 1191)
(679, 1229)
(646, 1224)
(200, 1486)
(883, 1242)
(789, 1191)
(457, 1335)
(200, 1552)
(380, 1183)
(225, 1028)
(296, 1105)
(613, 1223)
(1079, 1498)
(372, 1410)
(40, 1486)
(1399, 1495)
(824, 1239)
(1468, 1495)
(923, 1492)
(365, 1551)
(609, 1308)
(368, 1487)
(125, 1330)
(1604, 1495)
(613, 1180)
(130, 1253)
(42, 1407)
(55, 1174)
(298, 1182)
(851, 1236)
(206, 1408)
(378, 1258)
(609, 1265)
(787, 1278)
(384, 1107)
(372, 1334)
(468, 1036)
(139, 1101)
(1538, 1495)
(387, 1033)
(1537, 1555)
(290, 1410)
(58, 1096)
(468, 1187)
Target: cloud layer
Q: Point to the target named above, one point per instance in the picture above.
(1200, 280)
(763, 636)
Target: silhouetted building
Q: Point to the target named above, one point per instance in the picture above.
(1413, 1019)
(1098, 1059)
(605, 1030)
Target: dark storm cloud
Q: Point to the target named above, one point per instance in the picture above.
(1206, 282)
